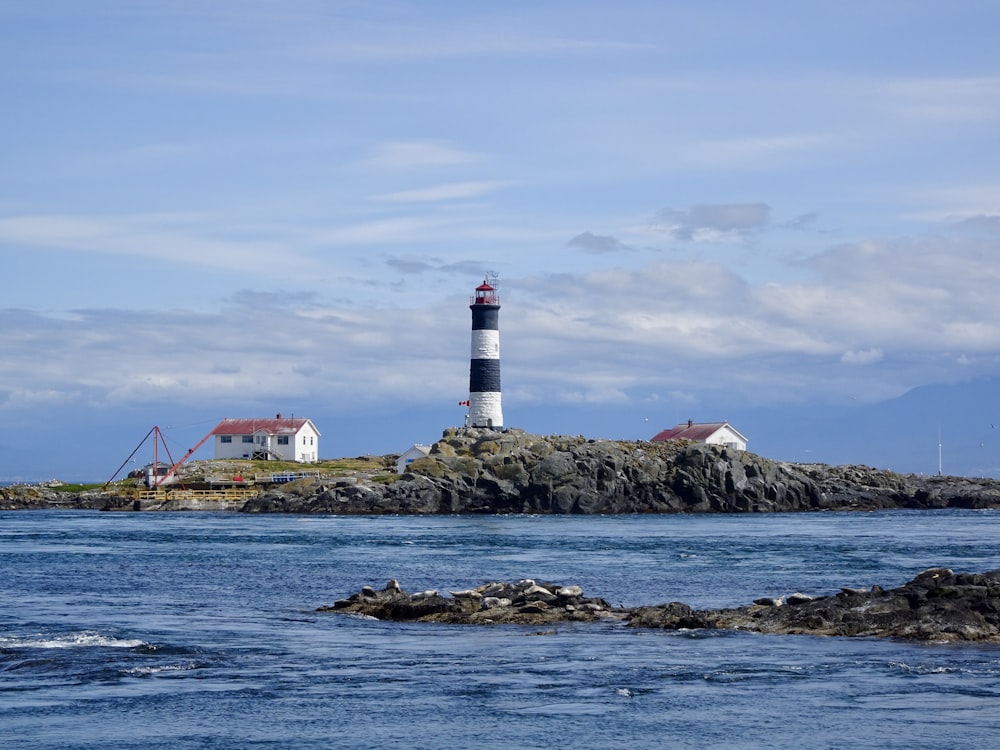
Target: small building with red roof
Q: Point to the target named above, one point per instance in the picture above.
(263, 439)
(711, 433)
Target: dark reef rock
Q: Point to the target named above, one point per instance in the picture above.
(937, 605)
(526, 602)
(37, 497)
(485, 471)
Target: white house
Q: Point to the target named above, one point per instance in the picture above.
(277, 439)
(411, 455)
(712, 433)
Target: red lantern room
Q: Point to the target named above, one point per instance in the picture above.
(485, 295)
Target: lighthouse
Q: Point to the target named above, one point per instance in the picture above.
(484, 371)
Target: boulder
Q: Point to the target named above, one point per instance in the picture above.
(525, 602)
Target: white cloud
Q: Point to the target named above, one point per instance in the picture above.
(589, 242)
(864, 357)
(142, 356)
(958, 202)
(754, 151)
(177, 239)
(947, 99)
(450, 191)
(418, 155)
(714, 222)
(678, 328)
(363, 193)
(27, 398)
(399, 229)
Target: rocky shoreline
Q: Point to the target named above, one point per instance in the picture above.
(483, 471)
(938, 605)
(480, 471)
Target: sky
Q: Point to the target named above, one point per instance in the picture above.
(769, 210)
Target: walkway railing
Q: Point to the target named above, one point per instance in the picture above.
(283, 477)
(229, 494)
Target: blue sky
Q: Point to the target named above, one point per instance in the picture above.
(696, 210)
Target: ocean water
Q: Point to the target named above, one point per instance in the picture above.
(199, 630)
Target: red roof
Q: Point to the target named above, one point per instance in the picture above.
(274, 426)
(700, 431)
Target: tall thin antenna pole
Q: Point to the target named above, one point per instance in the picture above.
(940, 472)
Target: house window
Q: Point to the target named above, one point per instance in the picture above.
(282, 439)
(248, 438)
(303, 440)
(225, 438)
(310, 441)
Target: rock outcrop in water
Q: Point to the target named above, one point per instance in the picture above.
(38, 496)
(526, 602)
(937, 605)
(484, 471)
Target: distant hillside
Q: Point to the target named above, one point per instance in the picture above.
(900, 434)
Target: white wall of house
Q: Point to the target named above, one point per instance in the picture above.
(411, 455)
(306, 444)
(282, 446)
(303, 446)
(727, 437)
(233, 446)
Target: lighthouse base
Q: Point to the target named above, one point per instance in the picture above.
(484, 410)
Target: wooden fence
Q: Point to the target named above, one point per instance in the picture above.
(228, 494)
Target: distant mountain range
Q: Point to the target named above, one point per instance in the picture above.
(956, 427)
(901, 434)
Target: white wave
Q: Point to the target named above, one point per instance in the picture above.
(923, 669)
(84, 639)
(143, 671)
(362, 616)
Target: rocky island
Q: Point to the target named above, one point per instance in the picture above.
(938, 605)
(482, 471)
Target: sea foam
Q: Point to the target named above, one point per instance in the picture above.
(85, 639)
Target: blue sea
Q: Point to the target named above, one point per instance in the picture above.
(199, 630)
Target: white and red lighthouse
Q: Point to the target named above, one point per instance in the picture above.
(484, 370)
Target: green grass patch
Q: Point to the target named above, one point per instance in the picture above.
(76, 487)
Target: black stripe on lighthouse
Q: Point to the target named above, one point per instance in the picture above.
(484, 370)
(485, 317)
(484, 375)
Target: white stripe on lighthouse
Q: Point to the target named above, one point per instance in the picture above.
(486, 344)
